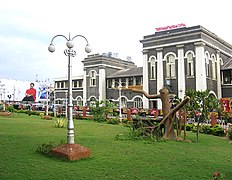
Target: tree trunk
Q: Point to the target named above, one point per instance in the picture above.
(184, 122)
(167, 114)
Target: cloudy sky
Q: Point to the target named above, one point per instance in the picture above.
(27, 27)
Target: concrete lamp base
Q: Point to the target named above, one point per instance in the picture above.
(71, 151)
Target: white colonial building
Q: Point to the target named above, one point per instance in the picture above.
(180, 59)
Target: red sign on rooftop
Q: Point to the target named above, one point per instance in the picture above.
(170, 27)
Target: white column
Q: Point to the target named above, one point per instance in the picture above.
(200, 67)
(102, 84)
(145, 80)
(160, 75)
(181, 72)
(219, 89)
(84, 89)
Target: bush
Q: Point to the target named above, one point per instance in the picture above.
(41, 115)
(60, 123)
(206, 129)
(217, 130)
(99, 118)
(46, 148)
(11, 109)
(113, 121)
(229, 133)
(189, 127)
(1, 107)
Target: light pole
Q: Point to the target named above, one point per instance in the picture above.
(70, 53)
(120, 98)
(120, 105)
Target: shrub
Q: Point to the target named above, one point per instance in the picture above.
(229, 133)
(189, 127)
(41, 115)
(10, 109)
(99, 118)
(46, 148)
(60, 123)
(1, 107)
(217, 130)
(21, 111)
(206, 129)
(113, 121)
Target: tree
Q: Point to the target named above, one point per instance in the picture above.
(168, 113)
(102, 109)
(201, 104)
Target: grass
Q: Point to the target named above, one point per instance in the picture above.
(20, 135)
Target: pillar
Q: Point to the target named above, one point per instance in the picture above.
(219, 89)
(201, 84)
(181, 72)
(145, 79)
(160, 74)
(102, 84)
(84, 88)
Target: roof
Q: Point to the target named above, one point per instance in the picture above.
(138, 71)
(227, 65)
(193, 32)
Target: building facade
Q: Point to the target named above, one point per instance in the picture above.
(179, 59)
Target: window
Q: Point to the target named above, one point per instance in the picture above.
(214, 67)
(190, 65)
(109, 83)
(130, 81)
(75, 84)
(80, 83)
(170, 66)
(138, 80)
(138, 102)
(66, 84)
(79, 101)
(93, 102)
(123, 102)
(123, 81)
(207, 64)
(62, 85)
(153, 67)
(227, 77)
(92, 75)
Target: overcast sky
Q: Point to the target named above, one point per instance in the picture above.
(27, 27)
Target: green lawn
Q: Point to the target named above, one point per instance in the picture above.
(20, 135)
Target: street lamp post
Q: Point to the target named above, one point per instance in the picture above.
(70, 53)
(120, 104)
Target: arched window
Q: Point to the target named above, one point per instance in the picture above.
(79, 101)
(214, 67)
(138, 102)
(153, 67)
(170, 66)
(207, 64)
(92, 76)
(123, 102)
(93, 101)
(190, 65)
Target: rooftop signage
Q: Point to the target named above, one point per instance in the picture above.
(170, 27)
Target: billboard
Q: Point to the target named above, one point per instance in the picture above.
(42, 92)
